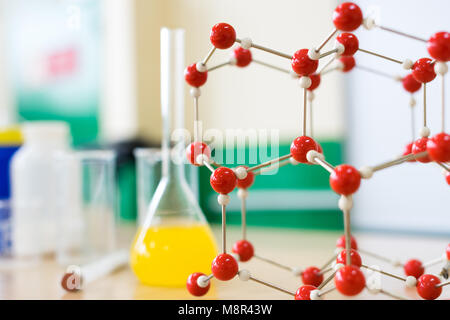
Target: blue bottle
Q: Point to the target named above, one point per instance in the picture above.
(10, 141)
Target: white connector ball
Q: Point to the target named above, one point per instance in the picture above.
(369, 23)
(235, 256)
(340, 48)
(223, 199)
(246, 43)
(195, 92)
(407, 64)
(373, 288)
(345, 203)
(201, 67)
(293, 74)
(202, 281)
(366, 172)
(201, 158)
(411, 281)
(312, 155)
(339, 65)
(241, 173)
(313, 54)
(232, 60)
(297, 271)
(424, 132)
(293, 161)
(338, 266)
(441, 68)
(244, 275)
(315, 295)
(305, 82)
(242, 193)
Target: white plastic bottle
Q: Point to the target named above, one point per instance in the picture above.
(34, 182)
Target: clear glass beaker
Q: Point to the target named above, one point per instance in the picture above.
(87, 206)
(148, 176)
(175, 239)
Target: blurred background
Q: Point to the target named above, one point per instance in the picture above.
(96, 66)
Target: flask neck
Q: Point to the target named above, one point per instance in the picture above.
(173, 169)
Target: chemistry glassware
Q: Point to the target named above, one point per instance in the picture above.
(87, 227)
(34, 190)
(175, 239)
(148, 176)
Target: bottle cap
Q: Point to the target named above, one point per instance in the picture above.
(46, 133)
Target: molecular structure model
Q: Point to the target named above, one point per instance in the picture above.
(344, 267)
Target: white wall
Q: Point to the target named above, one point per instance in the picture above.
(6, 108)
(410, 196)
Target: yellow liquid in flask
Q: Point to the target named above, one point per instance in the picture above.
(166, 255)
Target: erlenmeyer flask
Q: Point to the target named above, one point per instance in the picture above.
(175, 239)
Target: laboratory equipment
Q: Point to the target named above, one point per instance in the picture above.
(345, 266)
(148, 175)
(10, 141)
(87, 228)
(175, 238)
(33, 181)
(78, 277)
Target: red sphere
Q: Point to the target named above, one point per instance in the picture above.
(420, 145)
(348, 63)
(438, 147)
(312, 276)
(355, 258)
(439, 46)
(243, 57)
(303, 293)
(315, 81)
(319, 148)
(426, 287)
(247, 182)
(345, 179)
(302, 64)
(340, 243)
(223, 180)
(194, 77)
(193, 287)
(447, 251)
(408, 150)
(414, 268)
(195, 149)
(244, 249)
(447, 178)
(349, 280)
(224, 267)
(347, 17)
(423, 70)
(222, 36)
(350, 42)
(301, 146)
(410, 84)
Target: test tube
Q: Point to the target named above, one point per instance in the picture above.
(88, 208)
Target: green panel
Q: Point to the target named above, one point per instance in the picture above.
(126, 181)
(295, 197)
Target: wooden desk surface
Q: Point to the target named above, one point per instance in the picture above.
(41, 280)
